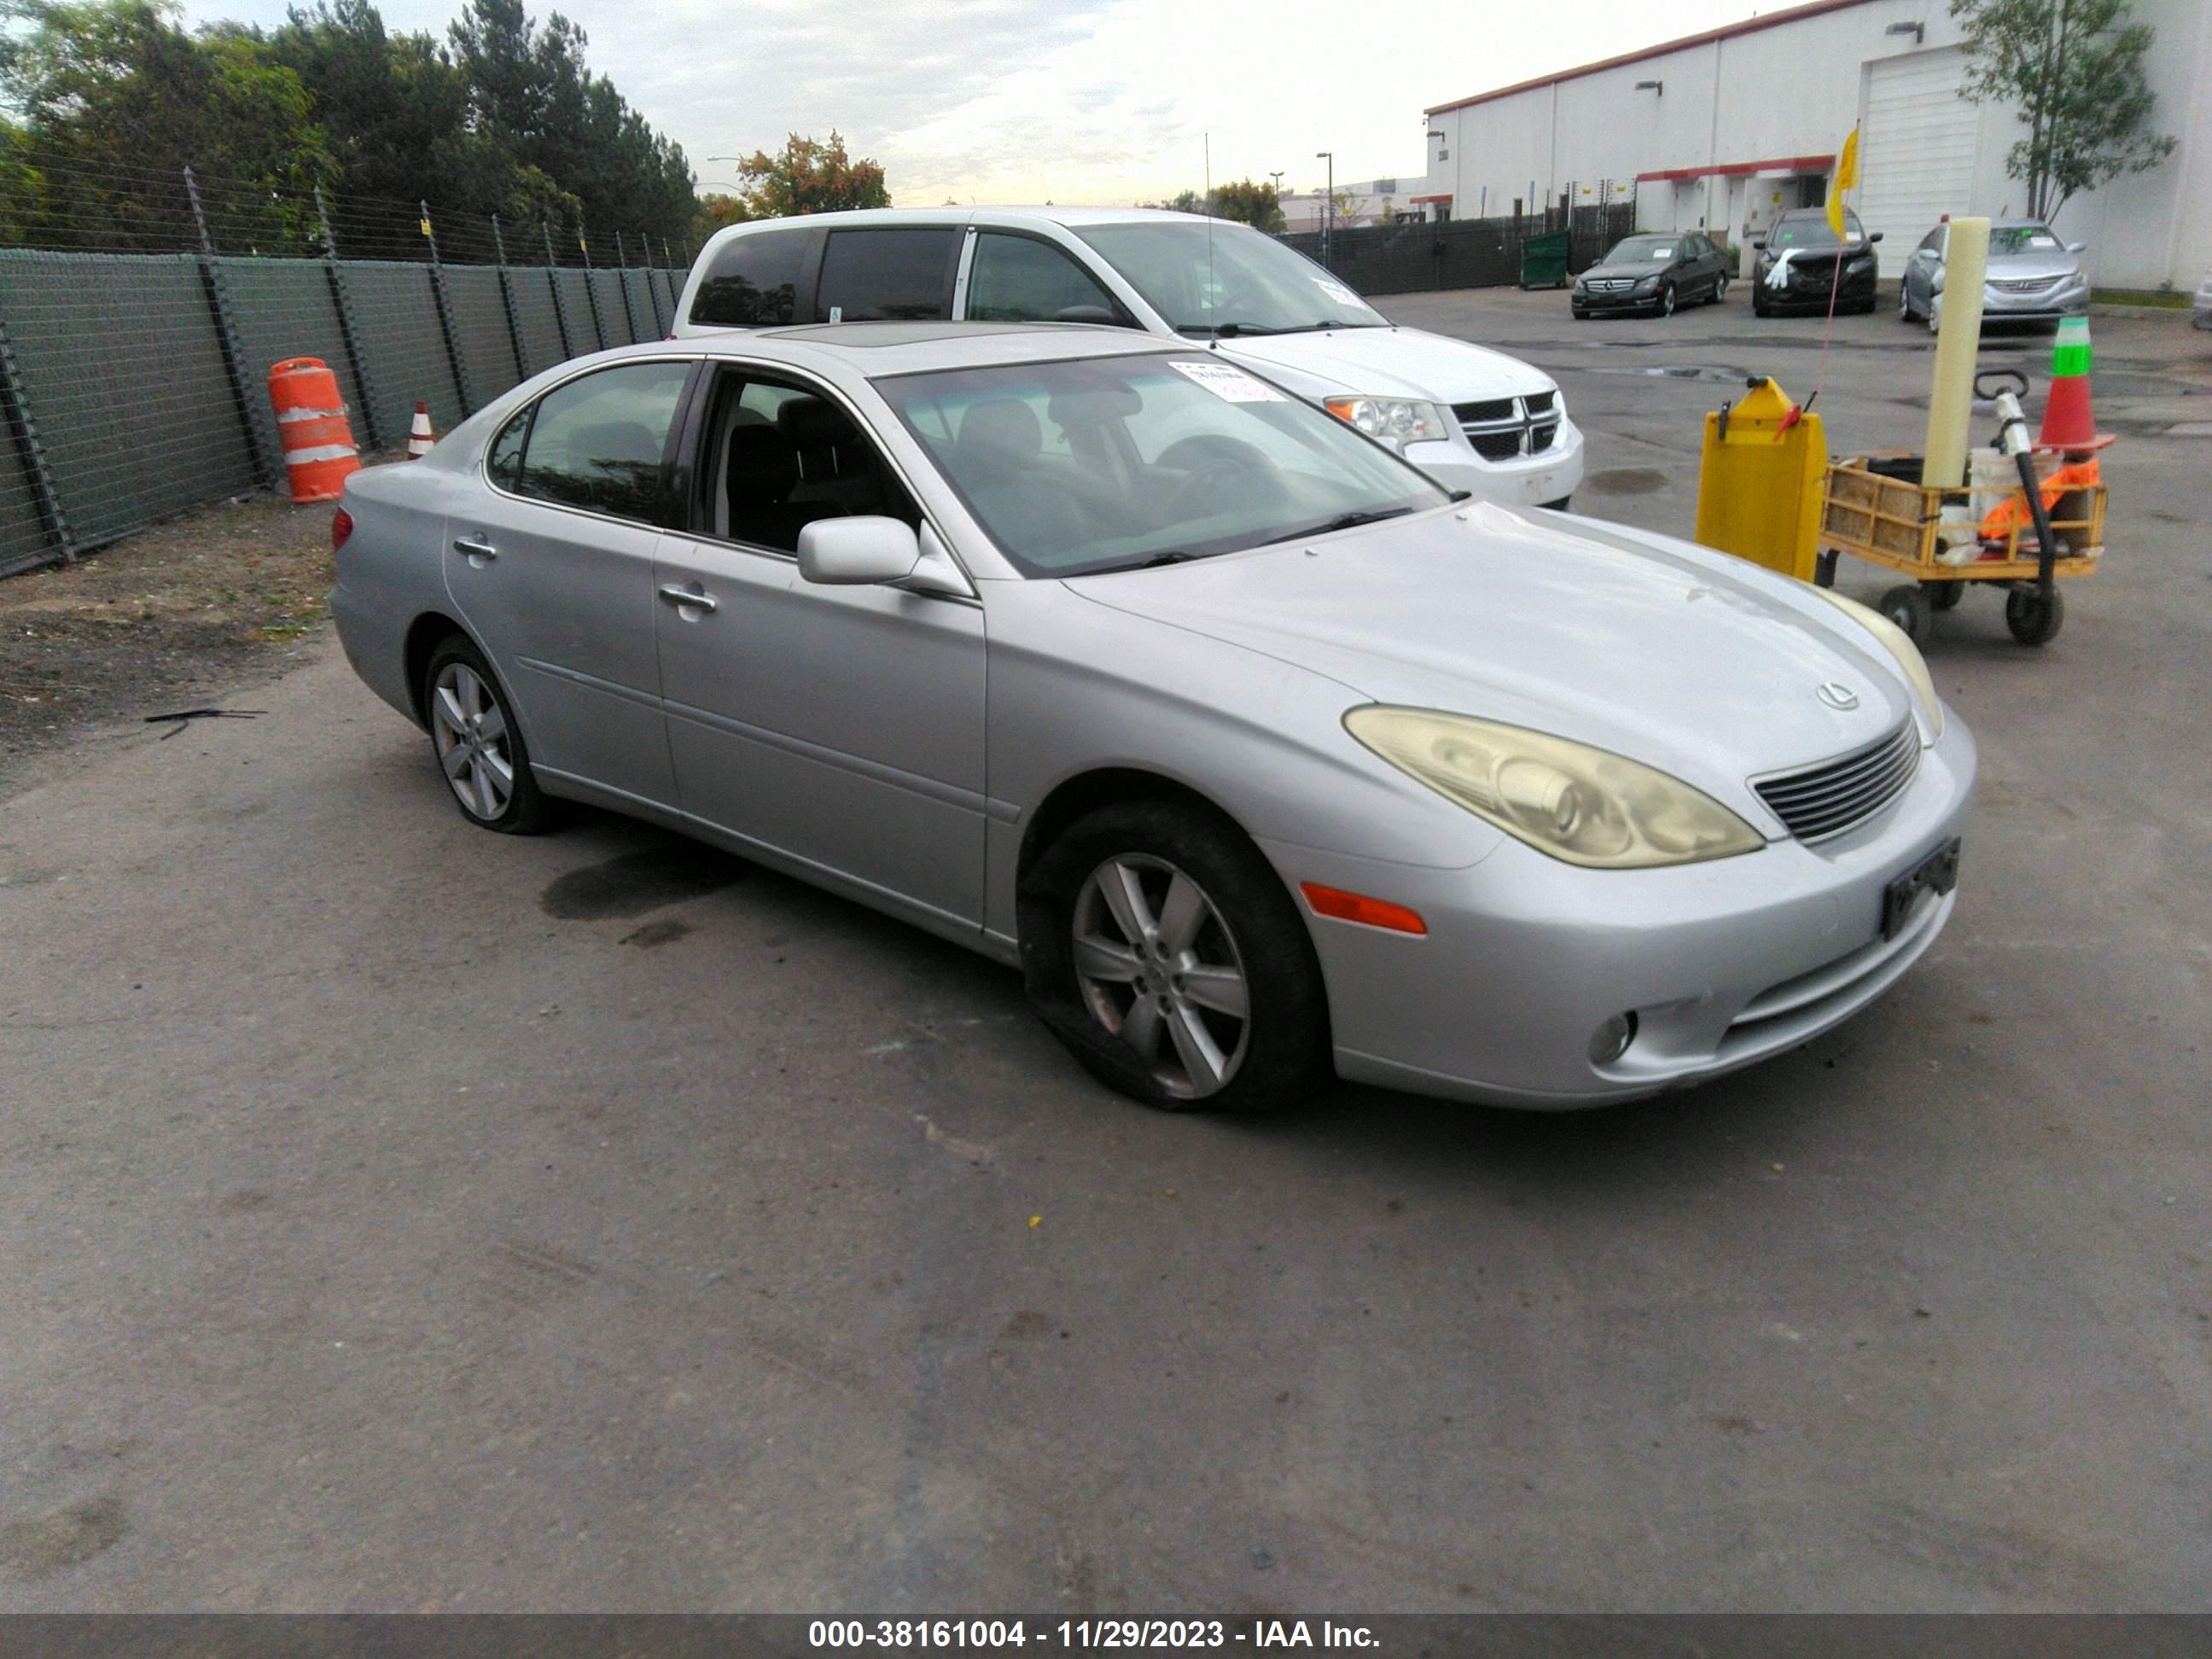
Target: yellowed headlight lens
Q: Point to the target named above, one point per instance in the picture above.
(1584, 805)
(1899, 646)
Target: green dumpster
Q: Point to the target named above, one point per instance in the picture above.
(1544, 260)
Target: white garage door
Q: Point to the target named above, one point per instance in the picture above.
(1916, 150)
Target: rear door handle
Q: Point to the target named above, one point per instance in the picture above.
(692, 597)
(479, 553)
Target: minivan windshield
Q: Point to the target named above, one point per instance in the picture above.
(1114, 463)
(1229, 279)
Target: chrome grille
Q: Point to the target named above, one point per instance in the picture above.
(1612, 284)
(1501, 429)
(2024, 284)
(1826, 800)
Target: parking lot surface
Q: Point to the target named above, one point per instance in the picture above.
(396, 1216)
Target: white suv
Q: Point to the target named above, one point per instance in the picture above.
(1472, 419)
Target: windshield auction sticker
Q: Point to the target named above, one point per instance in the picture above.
(1341, 294)
(1232, 384)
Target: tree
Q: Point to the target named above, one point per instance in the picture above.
(806, 176)
(1254, 204)
(115, 97)
(2073, 68)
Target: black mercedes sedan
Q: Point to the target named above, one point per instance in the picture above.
(1796, 267)
(1653, 274)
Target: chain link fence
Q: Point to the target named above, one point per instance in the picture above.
(135, 343)
(1418, 256)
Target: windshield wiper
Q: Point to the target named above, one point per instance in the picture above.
(1150, 563)
(1342, 522)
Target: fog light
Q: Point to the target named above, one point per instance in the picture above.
(1611, 1039)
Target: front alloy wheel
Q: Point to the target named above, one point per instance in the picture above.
(1166, 953)
(1158, 969)
(1667, 300)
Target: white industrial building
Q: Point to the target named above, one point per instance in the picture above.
(1723, 130)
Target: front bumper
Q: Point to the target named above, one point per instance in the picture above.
(1802, 295)
(1723, 963)
(1999, 306)
(1595, 304)
(1549, 475)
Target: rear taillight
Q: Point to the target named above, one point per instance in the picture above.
(341, 528)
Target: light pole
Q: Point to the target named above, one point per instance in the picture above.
(1328, 204)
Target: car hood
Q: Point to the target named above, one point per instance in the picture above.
(1638, 271)
(1685, 659)
(1404, 362)
(1811, 256)
(2026, 267)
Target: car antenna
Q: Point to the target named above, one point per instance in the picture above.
(1215, 343)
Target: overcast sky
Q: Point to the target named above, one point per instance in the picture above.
(1104, 102)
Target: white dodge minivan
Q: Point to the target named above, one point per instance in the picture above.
(1472, 419)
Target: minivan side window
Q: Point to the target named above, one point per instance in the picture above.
(596, 442)
(1019, 279)
(754, 280)
(877, 275)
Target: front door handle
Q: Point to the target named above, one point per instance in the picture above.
(687, 596)
(479, 553)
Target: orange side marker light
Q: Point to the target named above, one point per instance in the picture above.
(1358, 906)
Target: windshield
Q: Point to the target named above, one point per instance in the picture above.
(1242, 282)
(1813, 231)
(2023, 239)
(1642, 250)
(1109, 463)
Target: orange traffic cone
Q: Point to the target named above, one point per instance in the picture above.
(2069, 423)
(419, 436)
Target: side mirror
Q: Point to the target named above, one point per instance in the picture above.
(1758, 244)
(2077, 247)
(1085, 315)
(854, 552)
(1874, 236)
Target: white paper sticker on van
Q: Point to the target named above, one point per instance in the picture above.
(1341, 294)
(1232, 384)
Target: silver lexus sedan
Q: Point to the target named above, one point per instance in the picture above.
(1259, 755)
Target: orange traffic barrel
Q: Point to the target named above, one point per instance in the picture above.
(311, 422)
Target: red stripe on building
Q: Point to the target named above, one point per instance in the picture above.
(1737, 169)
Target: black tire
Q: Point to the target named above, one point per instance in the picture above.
(1282, 1043)
(2034, 621)
(1720, 289)
(1907, 606)
(1582, 316)
(1943, 596)
(1666, 300)
(526, 810)
(1759, 307)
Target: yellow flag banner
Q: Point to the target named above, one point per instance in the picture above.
(1846, 175)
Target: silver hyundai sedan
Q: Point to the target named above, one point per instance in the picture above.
(1259, 755)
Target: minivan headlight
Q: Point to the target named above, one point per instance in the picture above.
(1579, 805)
(1900, 646)
(1395, 420)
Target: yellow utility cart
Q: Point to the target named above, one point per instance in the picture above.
(1874, 507)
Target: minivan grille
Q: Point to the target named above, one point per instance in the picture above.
(1504, 429)
(1836, 796)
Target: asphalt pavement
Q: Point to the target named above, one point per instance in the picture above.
(394, 1216)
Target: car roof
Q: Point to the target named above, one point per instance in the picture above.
(878, 349)
(1071, 217)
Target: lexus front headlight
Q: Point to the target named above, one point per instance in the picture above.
(1396, 421)
(1900, 646)
(1580, 805)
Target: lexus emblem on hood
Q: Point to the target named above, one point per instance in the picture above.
(1837, 694)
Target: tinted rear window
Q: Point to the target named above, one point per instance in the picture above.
(888, 276)
(753, 281)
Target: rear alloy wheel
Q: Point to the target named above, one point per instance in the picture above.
(1720, 289)
(2032, 619)
(1162, 949)
(1907, 606)
(1667, 300)
(478, 746)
